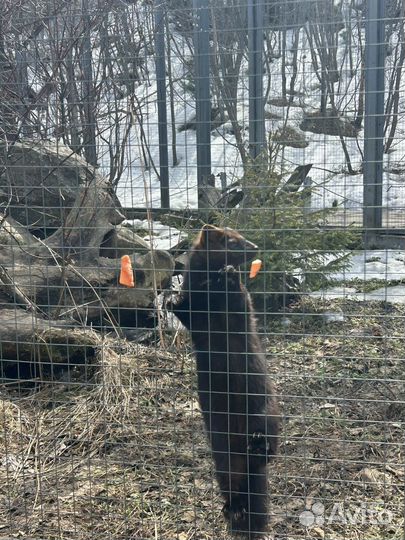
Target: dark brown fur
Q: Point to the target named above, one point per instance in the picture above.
(236, 396)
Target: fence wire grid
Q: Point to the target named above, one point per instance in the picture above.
(152, 154)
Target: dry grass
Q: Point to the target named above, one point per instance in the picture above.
(344, 408)
(123, 454)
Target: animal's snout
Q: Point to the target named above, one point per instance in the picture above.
(250, 246)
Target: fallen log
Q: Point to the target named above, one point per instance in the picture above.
(88, 292)
(65, 272)
(36, 343)
(64, 276)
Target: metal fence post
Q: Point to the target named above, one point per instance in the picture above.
(89, 129)
(202, 96)
(374, 118)
(256, 102)
(160, 15)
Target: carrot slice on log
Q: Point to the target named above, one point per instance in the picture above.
(255, 268)
(126, 274)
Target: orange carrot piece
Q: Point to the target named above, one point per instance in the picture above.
(126, 274)
(255, 268)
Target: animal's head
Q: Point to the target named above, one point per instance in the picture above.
(224, 247)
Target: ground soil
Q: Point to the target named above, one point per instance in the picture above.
(118, 451)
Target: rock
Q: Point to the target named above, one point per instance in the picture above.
(40, 181)
(121, 241)
(269, 115)
(279, 102)
(180, 262)
(286, 322)
(333, 316)
(396, 411)
(328, 123)
(288, 136)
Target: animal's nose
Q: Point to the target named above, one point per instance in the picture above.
(250, 246)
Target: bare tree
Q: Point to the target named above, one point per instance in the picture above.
(71, 74)
(171, 95)
(229, 50)
(396, 34)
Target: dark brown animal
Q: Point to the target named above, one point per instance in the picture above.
(235, 393)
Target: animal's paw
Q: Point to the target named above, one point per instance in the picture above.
(238, 515)
(259, 444)
(227, 271)
(234, 512)
(228, 276)
(173, 302)
(171, 305)
(170, 300)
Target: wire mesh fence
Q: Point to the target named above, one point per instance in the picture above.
(202, 268)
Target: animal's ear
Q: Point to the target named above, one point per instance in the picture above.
(208, 227)
(208, 235)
